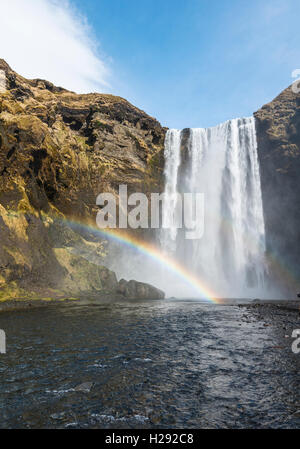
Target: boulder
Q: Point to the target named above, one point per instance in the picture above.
(139, 290)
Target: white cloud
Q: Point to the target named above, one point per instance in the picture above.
(49, 39)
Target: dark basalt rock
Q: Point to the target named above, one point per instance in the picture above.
(139, 290)
(278, 138)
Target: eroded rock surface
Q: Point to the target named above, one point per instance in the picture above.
(58, 151)
(139, 290)
(278, 136)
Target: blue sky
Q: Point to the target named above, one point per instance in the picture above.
(189, 63)
(196, 63)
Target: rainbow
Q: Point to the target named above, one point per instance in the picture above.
(152, 252)
(284, 273)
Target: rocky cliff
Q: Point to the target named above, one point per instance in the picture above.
(278, 136)
(58, 151)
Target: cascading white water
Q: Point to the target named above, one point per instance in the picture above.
(172, 155)
(222, 163)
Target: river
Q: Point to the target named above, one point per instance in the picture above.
(160, 364)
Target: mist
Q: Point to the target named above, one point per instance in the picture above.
(230, 259)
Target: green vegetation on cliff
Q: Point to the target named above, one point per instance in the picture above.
(58, 151)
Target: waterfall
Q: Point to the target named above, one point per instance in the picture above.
(222, 163)
(172, 156)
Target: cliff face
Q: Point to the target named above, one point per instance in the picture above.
(58, 151)
(278, 135)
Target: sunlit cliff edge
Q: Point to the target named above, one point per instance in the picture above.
(59, 150)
